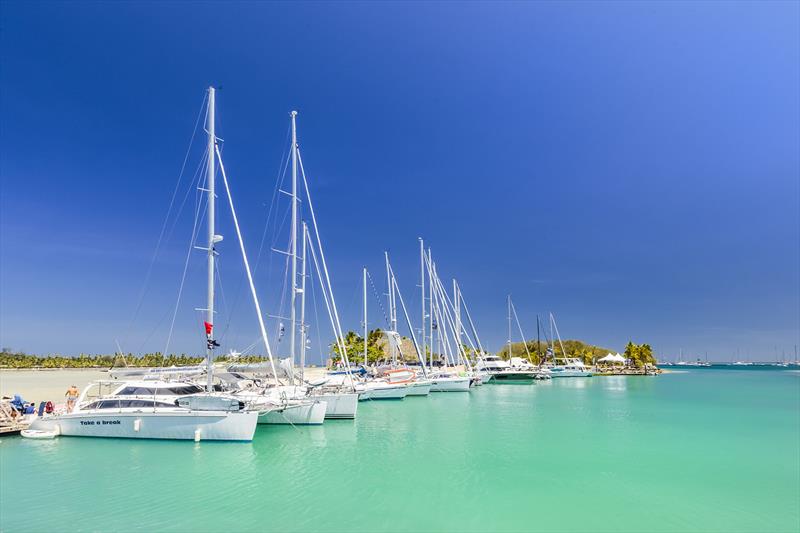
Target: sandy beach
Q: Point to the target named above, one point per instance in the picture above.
(52, 383)
(49, 384)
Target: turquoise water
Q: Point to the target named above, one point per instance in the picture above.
(701, 450)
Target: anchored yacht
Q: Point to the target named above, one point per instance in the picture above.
(155, 410)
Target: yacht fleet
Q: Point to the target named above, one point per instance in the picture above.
(227, 403)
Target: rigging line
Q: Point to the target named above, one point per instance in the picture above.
(272, 205)
(328, 288)
(282, 300)
(377, 298)
(329, 306)
(143, 290)
(193, 186)
(521, 334)
(316, 317)
(198, 220)
(247, 266)
(200, 168)
(158, 323)
(471, 324)
(228, 313)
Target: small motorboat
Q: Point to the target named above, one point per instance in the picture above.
(39, 434)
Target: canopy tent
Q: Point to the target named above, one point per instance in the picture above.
(612, 358)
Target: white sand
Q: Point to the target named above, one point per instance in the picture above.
(43, 385)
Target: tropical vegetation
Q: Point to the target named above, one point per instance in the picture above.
(12, 359)
(571, 348)
(639, 355)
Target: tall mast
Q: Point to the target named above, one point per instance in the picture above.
(294, 237)
(212, 238)
(457, 317)
(430, 284)
(538, 341)
(422, 286)
(364, 275)
(304, 251)
(392, 309)
(509, 327)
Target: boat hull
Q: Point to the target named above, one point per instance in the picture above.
(505, 376)
(450, 384)
(383, 393)
(570, 373)
(340, 405)
(418, 388)
(236, 426)
(301, 414)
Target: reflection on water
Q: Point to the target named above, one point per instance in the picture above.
(614, 383)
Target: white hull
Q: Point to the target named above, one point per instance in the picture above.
(340, 405)
(392, 392)
(148, 425)
(418, 388)
(554, 373)
(450, 384)
(306, 413)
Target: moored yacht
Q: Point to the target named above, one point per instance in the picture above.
(155, 410)
(502, 371)
(570, 367)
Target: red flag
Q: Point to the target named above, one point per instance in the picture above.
(209, 327)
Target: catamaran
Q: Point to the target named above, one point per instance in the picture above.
(156, 409)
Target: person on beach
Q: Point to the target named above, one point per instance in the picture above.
(72, 397)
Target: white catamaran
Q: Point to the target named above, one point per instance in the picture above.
(157, 409)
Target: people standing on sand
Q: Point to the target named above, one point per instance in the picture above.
(72, 397)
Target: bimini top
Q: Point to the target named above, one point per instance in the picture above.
(156, 388)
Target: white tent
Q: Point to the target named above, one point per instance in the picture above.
(612, 358)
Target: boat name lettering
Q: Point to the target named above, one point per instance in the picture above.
(99, 422)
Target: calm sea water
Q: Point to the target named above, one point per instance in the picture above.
(701, 450)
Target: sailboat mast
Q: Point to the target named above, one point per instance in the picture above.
(293, 311)
(538, 341)
(509, 327)
(392, 309)
(430, 324)
(457, 317)
(364, 272)
(212, 140)
(422, 286)
(304, 251)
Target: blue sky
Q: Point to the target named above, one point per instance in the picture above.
(632, 167)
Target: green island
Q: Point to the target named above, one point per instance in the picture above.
(639, 355)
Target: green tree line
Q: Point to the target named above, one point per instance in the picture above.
(10, 359)
(588, 353)
(639, 354)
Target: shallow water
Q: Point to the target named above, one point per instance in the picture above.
(701, 450)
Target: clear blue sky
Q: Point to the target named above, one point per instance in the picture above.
(632, 167)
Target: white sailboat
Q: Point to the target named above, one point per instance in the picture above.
(387, 385)
(446, 378)
(335, 398)
(564, 367)
(159, 409)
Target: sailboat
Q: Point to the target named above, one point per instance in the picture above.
(336, 396)
(158, 409)
(515, 369)
(564, 366)
(442, 326)
(416, 383)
